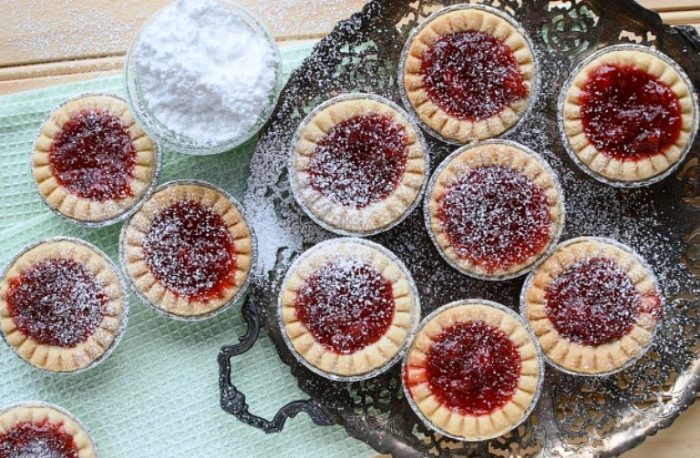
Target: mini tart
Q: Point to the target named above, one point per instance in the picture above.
(63, 305)
(92, 162)
(358, 165)
(347, 308)
(473, 371)
(468, 74)
(189, 250)
(39, 430)
(593, 305)
(628, 114)
(494, 209)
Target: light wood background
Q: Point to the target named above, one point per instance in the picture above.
(45, 42)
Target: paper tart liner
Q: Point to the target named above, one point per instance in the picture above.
(688, 131)
(392, 260)
(533, 80)
(125, 207)
(642, 349)
(539, 371)
(40, 410)
(123, 315)
(378, 212)
(211, 311)
(533, 262)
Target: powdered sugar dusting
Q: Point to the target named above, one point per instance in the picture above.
(360, 161)
(93, 156)
(190, 251)
(472, 75)
(593, 302)
(346, 305)
(56, 302)
(495, 217)
(37, 440)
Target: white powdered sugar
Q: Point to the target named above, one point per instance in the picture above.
(205, 73)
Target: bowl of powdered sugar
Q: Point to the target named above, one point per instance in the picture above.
(203, 76)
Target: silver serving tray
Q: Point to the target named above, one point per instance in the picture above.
(575, 416)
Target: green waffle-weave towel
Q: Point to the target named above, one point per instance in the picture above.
(157, 394)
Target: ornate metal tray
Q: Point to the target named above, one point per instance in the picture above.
(576, 416)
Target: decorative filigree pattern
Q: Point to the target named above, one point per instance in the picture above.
(575, 416)
(571, 29)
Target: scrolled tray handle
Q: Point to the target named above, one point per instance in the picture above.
(233, 400)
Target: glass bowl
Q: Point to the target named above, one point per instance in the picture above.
(183, 143)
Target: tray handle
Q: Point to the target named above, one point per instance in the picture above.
(233, 400)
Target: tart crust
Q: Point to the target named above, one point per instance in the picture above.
(139, 224)
(79, 208)
(463, 20)
(67, 359)
(344, 219)
(373, 357)
(504, 154)
(464, 426)
(575, 357)
(36, 413)
(613, 168)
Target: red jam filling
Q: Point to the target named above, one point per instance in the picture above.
(628, 114)
(346, 306)
(360, 161)
(594, 302)
(472, 75)
(56, 302)
(473, 368)
(191, 252)
(93, 156)
(495, 217)
(37, 440)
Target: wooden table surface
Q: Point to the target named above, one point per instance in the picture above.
(45, 42)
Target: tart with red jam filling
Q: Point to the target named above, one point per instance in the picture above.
(468, 73)
(473, 371)
(92, 163)
(628, 115)
(347, 308)
(189, 250)
(594, 305)
(358, 165)
(494, 209)
(63, 305)
(40, 430)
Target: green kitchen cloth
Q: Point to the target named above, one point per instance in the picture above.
(157, 394)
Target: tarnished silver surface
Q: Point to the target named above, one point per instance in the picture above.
(575, 416)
